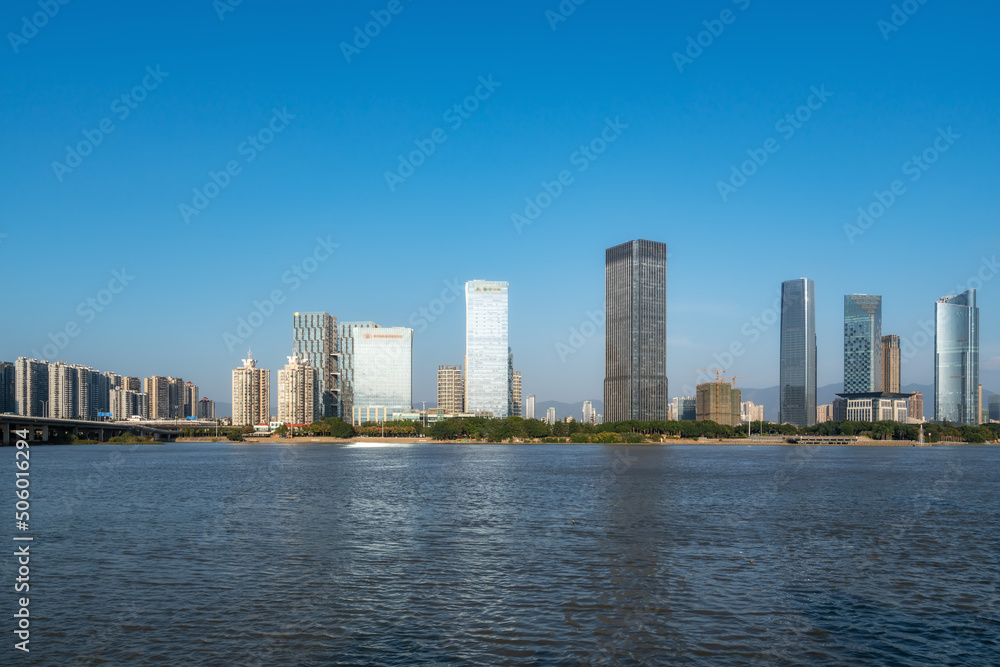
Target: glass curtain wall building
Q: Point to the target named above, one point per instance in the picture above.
(797, 390)
(315, 339)
(862, 344)
(381, 371)
(956, 359)
(635, 326)
(487, 363)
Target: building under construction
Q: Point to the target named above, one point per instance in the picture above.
(718, 402)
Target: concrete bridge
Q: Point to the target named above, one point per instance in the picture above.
(41, 429)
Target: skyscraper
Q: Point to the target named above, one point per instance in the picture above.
(298, 392)
(8, 402)
(31, 387)
(862, 344)
(797, 372)
(345, 380)
(451, 389)
(890, 363)
(157, 388)
(550, 416)
(381, 361)
(487, 363)
(635, 357)
(916, 405)
(190, 400)
(515, 391)
(251, 394)
(206, 408)
(956, 359)
(315, 338)
(530, 412)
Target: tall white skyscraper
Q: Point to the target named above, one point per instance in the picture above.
(379, 362)
(487, 376)
(299, 399)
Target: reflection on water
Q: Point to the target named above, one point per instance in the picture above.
(222, 554)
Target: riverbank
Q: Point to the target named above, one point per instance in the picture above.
(861, 442)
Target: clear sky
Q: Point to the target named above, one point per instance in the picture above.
(308, 129)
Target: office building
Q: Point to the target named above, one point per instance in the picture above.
(550, 416)
(956, 359)
(839, 410)
(298, 392)
(687, 408)
(487, 362)
(994, 408)
(887, 407)
(862, 344)
(890, 363)
(530, 412)
(8, 400)
(635, 327)
(916, 406)
(251, 394)
(315, 337)
(718, 402)
(450, 390)
(797, 370)
(515, 386)
(381, 372)
(31, 387)
(206, 409)
(345, 347)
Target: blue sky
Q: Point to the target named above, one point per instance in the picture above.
(271, 82)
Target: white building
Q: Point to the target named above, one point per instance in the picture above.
(550, 416)
(299, 397)
(487, 374)
(751, 412)
(126, 404)
(530, 414)
(589, 416)
(380, 365)
(31, 387)
(251, 394)
(877, 409)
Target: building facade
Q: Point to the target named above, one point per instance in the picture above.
(530, 410)
(550, 416)
(251, 394)
(31, 387)
(345, 347)
(206, 409)
(589, 416)
(797, 370)
(916, 408)
(862, 344)
(890, 363)
(190, 400)
(381, 361)
(8, 400)
(315, 337)
(487, 351)
(126, 404)
(515, 390)
(299, 394)
(994, 408)
(451, 390)
(824, 413)
(635, 327)
(157, 389)
(956, 359)
(751, 412)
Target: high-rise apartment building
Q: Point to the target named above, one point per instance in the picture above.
(956, 359)
(487, 362)
(316, 338)
(718, 402)
(8, 400)
(994, 407)
(751, 412)
(190, 400)
(64, 391)
(916, 405)
(251, 394)
(515, 385)
(175, 397)
(862, 344)
(589, 416)
(530, 410)
(550, 416)
(381, 372)
(824, 413)
(635, 326)
(132, 384)
(157, 389)
(298, 392)
(31, 387)
(206, 409)
(450, 390)
(125, 404)
(797, 371)
(890, 363)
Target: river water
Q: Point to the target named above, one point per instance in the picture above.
(319, 554)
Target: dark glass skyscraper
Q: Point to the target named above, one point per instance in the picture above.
(862, 344)
(797, 387)
(315, 338)
(956, 359)
(635, 327)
